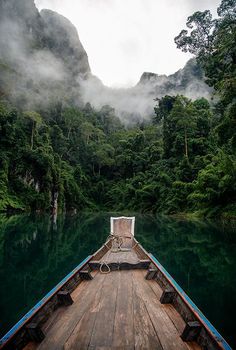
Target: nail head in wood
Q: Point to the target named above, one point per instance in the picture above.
(151, 274)
(35, 332)
(85, 275)
(191, 331)
(64, 298)
(167, 296)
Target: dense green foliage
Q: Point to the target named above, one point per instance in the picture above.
(87, 160)
(181, 161)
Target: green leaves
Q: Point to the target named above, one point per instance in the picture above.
(215, 184)
(199, 39)
(212, 41)
(227, 8)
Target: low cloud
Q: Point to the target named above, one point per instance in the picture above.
(33, 73)
(48, 64)
(125, 38)
(137, 103)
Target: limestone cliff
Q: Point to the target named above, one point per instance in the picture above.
(43, 63)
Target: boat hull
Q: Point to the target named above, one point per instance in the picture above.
(121, 288)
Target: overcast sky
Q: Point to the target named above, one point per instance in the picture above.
(124, 38)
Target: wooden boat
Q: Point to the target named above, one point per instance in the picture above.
(121, 297)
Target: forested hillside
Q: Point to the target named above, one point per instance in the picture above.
(182, 161)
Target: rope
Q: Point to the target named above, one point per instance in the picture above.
(115, 240)
(107, 266)
(116, 244)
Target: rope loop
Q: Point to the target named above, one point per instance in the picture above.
(108, 269)
(116, 247)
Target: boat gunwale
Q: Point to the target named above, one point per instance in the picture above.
(213, 333)
(40, 304)
(211, 330)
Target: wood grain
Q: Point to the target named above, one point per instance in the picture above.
(119, 310)
(81, 335)
(102, 334)
(144, 332)
(124, 318)
(165, 330)
(64, 326)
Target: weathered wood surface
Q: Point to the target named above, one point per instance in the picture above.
(123, 265)
(125, 256)
(123, 228)
(119, 310)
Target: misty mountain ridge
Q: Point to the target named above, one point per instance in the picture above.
(137, 103)
(41, 56)
(42, 62)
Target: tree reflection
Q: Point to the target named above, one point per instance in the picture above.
(35, 255)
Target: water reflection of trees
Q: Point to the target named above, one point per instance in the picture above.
(35, 255)
(202, 258)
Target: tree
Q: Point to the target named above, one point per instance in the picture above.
(212, 41)
(177, 115)
(183, 117)
(162, 111)
(201, 37)
(103, 156)
(87, 130)
(214, 44)
(35, 120)
(72, 120)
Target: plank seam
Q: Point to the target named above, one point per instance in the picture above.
(154, 328)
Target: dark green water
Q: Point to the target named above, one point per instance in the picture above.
(35, 255)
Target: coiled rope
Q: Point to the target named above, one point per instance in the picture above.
(116, 247)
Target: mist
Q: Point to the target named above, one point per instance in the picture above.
(32, 67)
(137, 103)
(37, 64)
(123, 39)
(33, 70)
(43, 62)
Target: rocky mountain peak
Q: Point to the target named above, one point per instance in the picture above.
(146, 77)
(41, 56)
(42, 62)
(63, 40)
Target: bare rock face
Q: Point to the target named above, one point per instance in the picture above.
(188, 81)
(41, 56)
(43, 63)
(63, 41)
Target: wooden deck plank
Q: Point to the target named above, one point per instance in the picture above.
(53, 318)
(124, 319)
(119, 310)
(173, 314)
(64, 326)
(144, 332)
(166, 331)
(130, 257)
(31, 346)
(79, 289)
(102, 334)
(81, 335)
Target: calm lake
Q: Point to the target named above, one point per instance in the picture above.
(36, 254)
